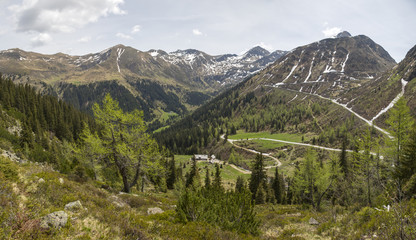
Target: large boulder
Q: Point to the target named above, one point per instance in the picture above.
(54, 220)
(73, 206)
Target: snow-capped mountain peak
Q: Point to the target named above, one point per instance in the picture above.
(225, 69)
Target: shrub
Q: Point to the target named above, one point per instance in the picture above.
(8, 169)
(228, 210)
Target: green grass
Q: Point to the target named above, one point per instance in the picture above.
(264, 146)
(279, 136)
(166, 115)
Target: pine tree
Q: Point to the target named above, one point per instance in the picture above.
(406, 172)
(171, 178)
(365, 162)
(26, 136)
(343, 159)
(276, 186)
(217, 179)
(261, 193)
(192, 178)
(207, 179)
(400, 122)
(258, 175)
(231, 158)
(240, 184)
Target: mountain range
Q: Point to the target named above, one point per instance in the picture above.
(353, 72)
(330, 88)
(155, 81)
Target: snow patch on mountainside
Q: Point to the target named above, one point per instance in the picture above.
(96, 58)
(120, 52)
(343, 64)
(229, 67)
(392, 103)
(310, 69)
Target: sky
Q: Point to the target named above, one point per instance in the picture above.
(79, 27)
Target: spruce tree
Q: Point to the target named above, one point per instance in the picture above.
(217, 179)
(207, 179)
(171, 178)
(258, 175)
(192, 177)
(406, 172)
(400, 122)
(276, 186)
(261, 193)
(240, 184)
(343, 159)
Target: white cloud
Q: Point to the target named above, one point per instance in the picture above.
(84, 39)
(124, 36)
(268, 47)
(46, 16)
(40, 40)
(331, 32)
(136, 29)
(196, 32)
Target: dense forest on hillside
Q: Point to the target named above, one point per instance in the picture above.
(39, 113)
(31, 122)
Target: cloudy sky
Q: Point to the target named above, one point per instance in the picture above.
(214, 26)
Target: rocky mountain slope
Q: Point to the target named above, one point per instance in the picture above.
(340, 69)
(330, 66)
(328, 89)
(154, 81)
(374, 98)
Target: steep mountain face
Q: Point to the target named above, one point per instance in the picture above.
(374, 98)
(154, 81)
(328, 67)
(322, 88)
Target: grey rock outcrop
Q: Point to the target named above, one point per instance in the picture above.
(343, 34)
(155, 210)
(117, 201)
(56, 220)
(73, 206)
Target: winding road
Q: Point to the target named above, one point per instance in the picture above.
(369, 122)
(278, 163)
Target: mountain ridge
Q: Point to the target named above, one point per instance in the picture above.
(183, 78)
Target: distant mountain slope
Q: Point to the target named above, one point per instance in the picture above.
(335, 68)
(328, 67)
(154, 81)
(297, 94)
(374, 98)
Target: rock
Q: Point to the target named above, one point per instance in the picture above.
(312, 221)
(155, 210)
(343, 34)
(61, 180)
(116, 201)
(73, 206)
(41, 180)
(56, 220)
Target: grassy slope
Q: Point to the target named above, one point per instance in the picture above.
(279, 136)
(25, 200)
